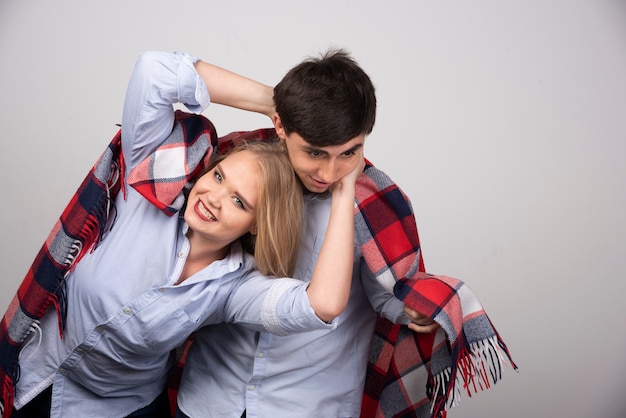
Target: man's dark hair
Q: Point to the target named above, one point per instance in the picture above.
(326, 100)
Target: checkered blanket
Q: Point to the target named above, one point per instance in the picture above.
(419, 375)
(408, 374)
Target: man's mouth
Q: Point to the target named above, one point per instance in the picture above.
(318, 183)
(204, 212)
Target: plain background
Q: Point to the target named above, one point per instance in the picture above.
(503, 121)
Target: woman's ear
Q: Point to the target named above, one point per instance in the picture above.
(253, 230)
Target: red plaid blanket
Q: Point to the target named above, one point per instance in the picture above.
(408, 374)
(419, 375)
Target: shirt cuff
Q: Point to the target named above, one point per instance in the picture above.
(286, 309)
(196, 98)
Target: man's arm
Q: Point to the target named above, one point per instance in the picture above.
(386, 304)
(386, 212)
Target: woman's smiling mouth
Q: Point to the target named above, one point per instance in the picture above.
(204, 212)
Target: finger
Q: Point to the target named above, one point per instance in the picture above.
(416, 316)
(423, 329)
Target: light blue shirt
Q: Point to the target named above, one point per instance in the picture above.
(125, 313)
(315, 374)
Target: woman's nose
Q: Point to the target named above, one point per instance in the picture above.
(215, 197)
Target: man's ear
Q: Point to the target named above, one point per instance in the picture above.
(278, 126)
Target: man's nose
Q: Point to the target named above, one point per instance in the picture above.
(328, 171)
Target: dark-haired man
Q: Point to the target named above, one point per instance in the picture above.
(322, 109)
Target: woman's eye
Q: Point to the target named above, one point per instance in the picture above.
(218, 177)
(238, 202)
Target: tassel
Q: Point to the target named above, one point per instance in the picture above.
(7, 396)
(478, 368)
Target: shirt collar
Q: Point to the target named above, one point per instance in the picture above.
(235, 260)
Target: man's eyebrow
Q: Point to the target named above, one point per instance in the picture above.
(245, 201)
(354, 148)
(323, 151)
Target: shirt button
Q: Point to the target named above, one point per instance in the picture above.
(128, 311)
(62, 371)
(260, 355)
(79, 350)
(251, 387)
(100, 329)
(162, 290)
(181, 254)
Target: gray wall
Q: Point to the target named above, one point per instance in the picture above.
(503, 121)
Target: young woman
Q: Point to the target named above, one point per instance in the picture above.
(154, 278)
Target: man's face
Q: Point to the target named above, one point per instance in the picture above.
(320, 167)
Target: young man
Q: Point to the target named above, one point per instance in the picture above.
(324, 109)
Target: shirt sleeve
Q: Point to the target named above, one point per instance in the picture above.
(382, 300)
(276, 305)
(158, 81)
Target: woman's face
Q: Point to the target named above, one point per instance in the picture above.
(221, 205)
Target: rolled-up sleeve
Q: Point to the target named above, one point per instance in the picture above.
(276, 305)
(159, 80)
(382, 300)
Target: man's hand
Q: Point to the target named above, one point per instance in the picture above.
(419, 323)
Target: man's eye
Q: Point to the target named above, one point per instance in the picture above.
(348, 153)
(314, 153)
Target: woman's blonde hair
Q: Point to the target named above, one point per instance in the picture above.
(278, 210)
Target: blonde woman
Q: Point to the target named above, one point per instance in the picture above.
(154, 279)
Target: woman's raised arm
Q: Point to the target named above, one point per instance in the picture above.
(234, 90)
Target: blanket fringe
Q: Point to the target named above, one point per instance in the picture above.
(92, 231)
(479, 366)
(6, 406)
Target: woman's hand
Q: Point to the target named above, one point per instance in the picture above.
(348, 182)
